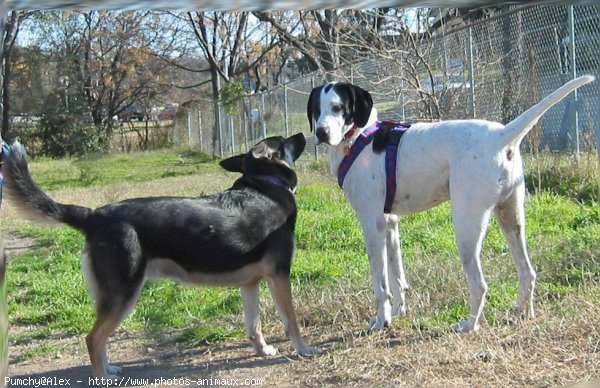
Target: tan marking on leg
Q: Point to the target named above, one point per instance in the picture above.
(96, 340)
(281, 291)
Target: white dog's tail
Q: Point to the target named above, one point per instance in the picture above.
(514, 131)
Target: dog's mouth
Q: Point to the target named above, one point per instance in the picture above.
(323, 140)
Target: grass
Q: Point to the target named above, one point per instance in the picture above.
(331, 277)
(565, 175)
(97, 170)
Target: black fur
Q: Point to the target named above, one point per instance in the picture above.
(385, 136)
(357, 103)
(313, 107)
(213, 240)
(217, 233)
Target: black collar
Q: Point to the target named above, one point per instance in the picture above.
(276, 181)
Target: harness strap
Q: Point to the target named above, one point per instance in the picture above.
(391, 157)
(359, 144)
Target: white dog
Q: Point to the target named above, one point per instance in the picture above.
(474, 163)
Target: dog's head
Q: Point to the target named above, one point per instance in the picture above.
(273, 156)
(336, 108)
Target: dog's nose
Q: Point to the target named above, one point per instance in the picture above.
(322, 134)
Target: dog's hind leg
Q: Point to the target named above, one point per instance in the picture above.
(511, 217)
(471, 224)
(114, 274)
(110, 311)
(106, 323)
(396, 275)
(281, 290)
(250, 295)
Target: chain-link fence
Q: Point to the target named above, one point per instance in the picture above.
(494, 70)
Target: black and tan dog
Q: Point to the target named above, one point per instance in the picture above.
(235, 238)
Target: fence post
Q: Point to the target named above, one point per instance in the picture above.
(471, 72)
(219, 128)
(573, 76)
(231, 133)
(189, 126)
(262, 115)
(245, 126)
(200, 127)
(285, 111)
(402, 88)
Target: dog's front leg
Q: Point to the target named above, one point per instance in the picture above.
(396, 275)
(375, 229)
(252, 319)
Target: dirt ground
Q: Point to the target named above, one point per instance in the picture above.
(164, 366)
(547, 351)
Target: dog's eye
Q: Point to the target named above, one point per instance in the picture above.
(336, 109)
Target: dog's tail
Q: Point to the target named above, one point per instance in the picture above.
(30, 199)
(516, 130)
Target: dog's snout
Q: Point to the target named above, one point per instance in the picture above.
(322, 134)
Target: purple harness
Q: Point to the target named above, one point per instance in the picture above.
(391, 152)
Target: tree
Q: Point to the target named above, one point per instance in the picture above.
(224, 39)
(109, 59)
(11, 29)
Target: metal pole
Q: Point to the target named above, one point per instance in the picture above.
(245, 125)
(471, 72)
(189, 125)
(232, 134)
(219, 128)
(285, 111)
(351, 74)
(573, 76)
(262, 115)
(402, 88)
(200, 126)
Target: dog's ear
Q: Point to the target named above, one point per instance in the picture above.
(294, 145)
(313, 99)
(234, 163)
(363, 103)
(261, 150)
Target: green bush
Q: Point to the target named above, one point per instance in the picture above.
(63, 130)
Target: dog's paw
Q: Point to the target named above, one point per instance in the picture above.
(378, 324)
(465, 326)
(114, 370)
(266, 350)
(528, 312)
(399, 310)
